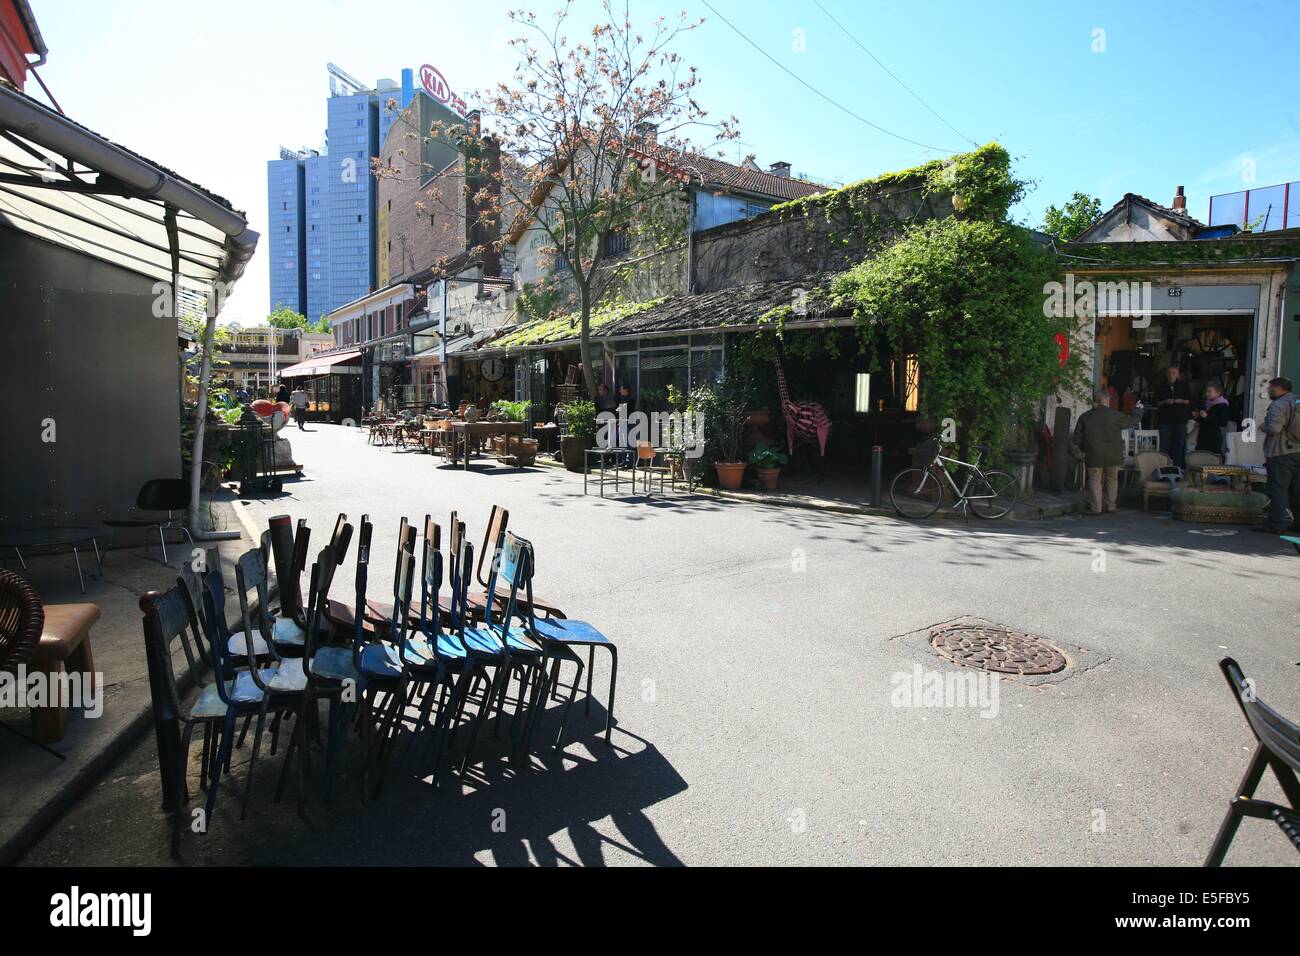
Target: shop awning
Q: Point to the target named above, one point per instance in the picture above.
(321, 364)
(65, 184)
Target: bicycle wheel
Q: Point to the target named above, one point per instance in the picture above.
(916, 493)
(993, 494)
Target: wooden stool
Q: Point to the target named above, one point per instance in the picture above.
(65, 644)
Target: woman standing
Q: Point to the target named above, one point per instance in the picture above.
(1213, 421)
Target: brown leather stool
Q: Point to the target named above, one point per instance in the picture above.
(65, 643)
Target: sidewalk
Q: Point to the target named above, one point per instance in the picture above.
(854, 497)
(35, 787)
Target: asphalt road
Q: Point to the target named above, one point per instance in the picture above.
(759, 717)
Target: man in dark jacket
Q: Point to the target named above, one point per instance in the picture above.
(1098, 438)
(1173, 412)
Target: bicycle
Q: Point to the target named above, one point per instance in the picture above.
(918, 492)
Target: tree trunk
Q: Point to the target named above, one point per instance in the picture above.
(584, 342)
(200, 422)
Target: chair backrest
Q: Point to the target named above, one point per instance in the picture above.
(645, 451)
(1197, 459)
(403, 577)
(1147, 462)
(496, 531)
(250, 574)
(22, 619)
(170, 616)
(192, 578)
(458, 607)
(510, 572)
(455, 539)
(340, 537)
(283, 554)
(1279, 735)
(359, 608)
(164, 494)
(430, 576)
(322, 576)
(216, 631)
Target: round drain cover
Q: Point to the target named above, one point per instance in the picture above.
(991, 647)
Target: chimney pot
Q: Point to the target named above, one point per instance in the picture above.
(781, 169)
(1180, 201)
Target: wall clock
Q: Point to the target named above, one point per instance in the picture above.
(492, 369)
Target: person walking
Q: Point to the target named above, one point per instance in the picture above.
(1173, 412)
(298, 399)
(282, 393)
(1098, 437)
(1281, 430)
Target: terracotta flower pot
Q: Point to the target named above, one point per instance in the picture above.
(768, 477)
(730, 473)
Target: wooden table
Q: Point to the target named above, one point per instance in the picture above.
(1239, 475)
(465, 431)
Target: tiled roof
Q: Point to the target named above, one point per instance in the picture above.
(734, 308)
(720, 174)
(1165, 210)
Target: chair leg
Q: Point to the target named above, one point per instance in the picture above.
(162, 543)
(591, 669)
(252, 761)
(485, 713)
(1228, 828)
(613, 682)
(226, 738)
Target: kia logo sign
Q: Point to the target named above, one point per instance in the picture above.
(436, 85)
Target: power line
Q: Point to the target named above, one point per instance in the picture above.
(916, 96)
(839, 106)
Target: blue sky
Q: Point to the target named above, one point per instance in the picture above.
(1183, 93)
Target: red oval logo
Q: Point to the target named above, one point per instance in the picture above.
(434, 83)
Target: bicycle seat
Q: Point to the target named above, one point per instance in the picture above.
(983, 448)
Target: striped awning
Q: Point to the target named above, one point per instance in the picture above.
(321, 364)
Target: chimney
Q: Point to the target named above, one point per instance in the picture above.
(1180, 202)
(780, 169)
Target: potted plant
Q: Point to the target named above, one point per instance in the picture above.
(580, 436)
(726, 409)
(767, 461)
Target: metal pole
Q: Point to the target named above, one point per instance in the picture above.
(877, 463)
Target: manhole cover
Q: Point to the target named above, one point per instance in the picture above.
(991, 647)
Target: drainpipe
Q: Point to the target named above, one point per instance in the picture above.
(690, 232)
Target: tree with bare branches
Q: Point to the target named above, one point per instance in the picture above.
(592, 138)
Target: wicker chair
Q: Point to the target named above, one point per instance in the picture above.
(22, 620)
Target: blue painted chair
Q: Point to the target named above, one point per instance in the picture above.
(376, 654)
(561, 636)
(172, 617)
(330, 676)
(237, 694)
(508, 649)
(282, 680)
